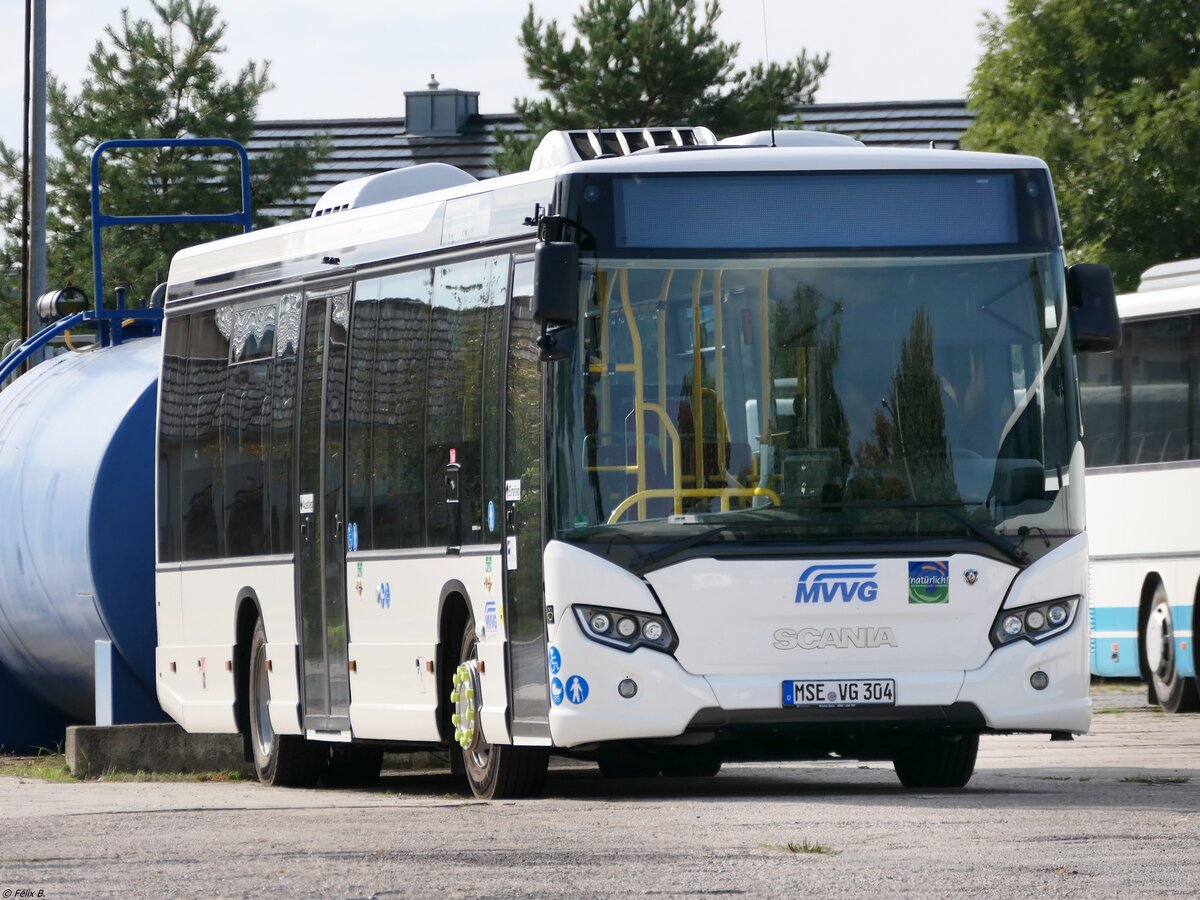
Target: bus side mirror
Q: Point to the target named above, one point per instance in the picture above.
(1093, 303)
(555, 283)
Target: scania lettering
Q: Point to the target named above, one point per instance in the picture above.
(840, 638)
(605, 458)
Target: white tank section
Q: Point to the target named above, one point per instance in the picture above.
(791, 137)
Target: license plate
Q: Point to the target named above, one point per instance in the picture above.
(825, 692)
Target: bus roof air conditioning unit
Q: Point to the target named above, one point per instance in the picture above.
(561, 147)
(393, 185)
(789, 137)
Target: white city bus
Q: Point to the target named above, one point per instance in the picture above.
(1142, 414)
(660, 458)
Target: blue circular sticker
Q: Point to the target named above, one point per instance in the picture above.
(491, 515)
(556, 691)
(555, 660)
(577, 689)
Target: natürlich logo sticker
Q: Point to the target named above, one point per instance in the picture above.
(929, 581)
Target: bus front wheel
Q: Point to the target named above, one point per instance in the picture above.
(940, 762)
(284, 760)
(1174, 692)
(494, 771)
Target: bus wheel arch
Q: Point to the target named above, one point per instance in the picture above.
(493, 771)
(284, 760)
(249, 612)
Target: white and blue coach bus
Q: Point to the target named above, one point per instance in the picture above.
(663, 454)
(1142, 414)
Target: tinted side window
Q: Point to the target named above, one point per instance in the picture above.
(462, 295)
(202, 469)
(246, 432)
(172, 423)
(397, 422)
(283, 415)
(364, 327)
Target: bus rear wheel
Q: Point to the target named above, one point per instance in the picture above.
(283, 760)
(1174, 692)
(941, 762)
(494, 771)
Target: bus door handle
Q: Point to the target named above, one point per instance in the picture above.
(304, 528)
(337, 525)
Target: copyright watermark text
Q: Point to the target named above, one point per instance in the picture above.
(21, 893)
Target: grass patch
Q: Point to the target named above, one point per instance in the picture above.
(53, 767)
(218, 776)
(1157, 779)
(44, 766)
(799, 847)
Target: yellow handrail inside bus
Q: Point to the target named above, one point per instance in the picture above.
(724, 493)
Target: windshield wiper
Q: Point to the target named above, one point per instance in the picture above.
(682, 545)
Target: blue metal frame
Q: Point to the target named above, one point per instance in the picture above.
(110, 321)
(110, 331)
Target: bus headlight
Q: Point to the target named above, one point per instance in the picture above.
(624, 629)
(1034, 623)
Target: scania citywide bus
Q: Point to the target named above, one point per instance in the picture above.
(666, 453)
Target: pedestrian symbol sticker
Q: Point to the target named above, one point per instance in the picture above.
(577, 689)
(555, 661)
(556, 691)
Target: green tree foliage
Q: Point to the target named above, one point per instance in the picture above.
(157, 78)
(1108, 93)
(648, 62)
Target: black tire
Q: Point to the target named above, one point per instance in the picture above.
(282, 760)
(941, 762)
(629, 764)
(690, 762)
(494, 771)
(1174, 692)
(353, 765)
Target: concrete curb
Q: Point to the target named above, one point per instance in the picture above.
(97, 749)
(94, 750)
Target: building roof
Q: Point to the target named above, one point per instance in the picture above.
(361, 147)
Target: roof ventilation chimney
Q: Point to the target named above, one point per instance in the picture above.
(434, 112)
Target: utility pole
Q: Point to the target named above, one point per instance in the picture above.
(33, 169)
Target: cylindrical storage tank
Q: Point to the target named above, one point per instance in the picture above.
(77, 520)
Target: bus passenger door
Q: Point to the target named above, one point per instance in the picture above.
(321, 538)
(523, 519)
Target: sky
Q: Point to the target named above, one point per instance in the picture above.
(355, 58)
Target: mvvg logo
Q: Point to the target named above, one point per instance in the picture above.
(845, 581)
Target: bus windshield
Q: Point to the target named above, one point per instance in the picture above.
(801, 399)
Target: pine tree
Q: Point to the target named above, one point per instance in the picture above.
(157, 78)
(648, 62)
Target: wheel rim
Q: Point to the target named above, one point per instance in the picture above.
(1160, 650)
(1160, 642)
(465, 697)
(265, 739)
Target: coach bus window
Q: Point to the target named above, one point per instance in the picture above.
(1159, 354)
(203, 487)
(172, 424)
(1102, 397)
(397, 308)
(283, 413)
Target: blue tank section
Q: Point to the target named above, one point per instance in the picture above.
(77, 522)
